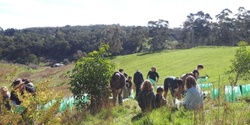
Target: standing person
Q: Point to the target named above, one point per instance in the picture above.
(127, 88)
(159, 99)
(153, 74)
(193, 99)
(124, 89)
(196, 71)
(138, 80)
(6, 96)
(129, 85)
(124, 73)
(146, 97)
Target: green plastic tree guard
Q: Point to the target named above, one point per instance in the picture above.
(153, 82)
(215, 93)
(205, 85)
(132, 96)
(20, 109)
(85, 98)
(232, 92)
(245, 89)
(49, 104)
(202, 80)
(71, 102)
(63, 105)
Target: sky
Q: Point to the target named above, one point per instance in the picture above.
(21, 14)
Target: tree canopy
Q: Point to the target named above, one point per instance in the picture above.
(55, 44)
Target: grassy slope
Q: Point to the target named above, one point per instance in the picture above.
(177, 62)
(169, 63)
(57, 76)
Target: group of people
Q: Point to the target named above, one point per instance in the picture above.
(185, 85)
(145, 95)
(18, 88)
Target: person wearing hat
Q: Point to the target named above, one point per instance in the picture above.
(19, 86)
(6, 96)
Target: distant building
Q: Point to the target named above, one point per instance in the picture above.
(58, 65)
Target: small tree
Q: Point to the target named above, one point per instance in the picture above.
(91, 75)
(241, 63)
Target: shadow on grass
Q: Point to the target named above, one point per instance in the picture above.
(144, 53)
(137, 117)
(112, 57)
(153, 52)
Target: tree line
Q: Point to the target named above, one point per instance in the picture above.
(68, 43)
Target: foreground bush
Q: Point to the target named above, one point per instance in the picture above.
(35, 113)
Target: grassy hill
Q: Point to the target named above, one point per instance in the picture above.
(216, 61)
(169, 63)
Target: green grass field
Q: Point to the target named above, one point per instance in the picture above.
(216, 61)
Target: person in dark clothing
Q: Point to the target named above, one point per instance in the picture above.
(175, 86)
(129, 85)
(19, 86)
(159, 99)
(124, 73)
(196, 71)
(138, 80)
(146, 97)
(5, 96)
(28, 83)
(153, 74)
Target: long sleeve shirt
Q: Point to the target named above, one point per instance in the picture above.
(192, 99)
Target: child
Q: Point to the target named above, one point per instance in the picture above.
(6, 96)
(196, 71)
(159, 99)
(129, 85)
(153, 74)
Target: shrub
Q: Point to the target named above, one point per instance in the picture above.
(241, 63)
(91, 75)
(34, 105)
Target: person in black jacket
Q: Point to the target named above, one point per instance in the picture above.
(196, 71)
(146, 97)
(138, 80)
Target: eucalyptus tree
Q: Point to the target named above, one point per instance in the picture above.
(197, 28)
(158, 33)
(226, 27)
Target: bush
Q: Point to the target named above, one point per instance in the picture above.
(34, 113)
(240, 64)
(91, 75)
